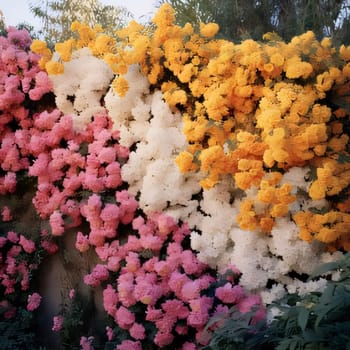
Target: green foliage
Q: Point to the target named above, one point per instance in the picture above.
(315, 321)
(242, 19)
(17, 333)
(57, 16)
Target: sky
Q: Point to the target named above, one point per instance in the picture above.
(17, 11)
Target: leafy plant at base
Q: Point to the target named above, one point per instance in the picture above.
(313, 321)
(18, 332)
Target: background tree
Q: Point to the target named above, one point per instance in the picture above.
(241, 19)
(57, 16)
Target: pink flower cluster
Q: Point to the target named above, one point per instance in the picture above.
(171, 287)
(15, 266)
(68, 164)
(20, 79)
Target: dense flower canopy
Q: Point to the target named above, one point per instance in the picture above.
(177, 157)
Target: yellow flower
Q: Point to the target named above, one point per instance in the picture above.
(65, 49)
(38, 46)
(120, 86)
(165, 16)
(185, 162)
(208, 30)
(54, 68)
(277, 59)
(295, 68)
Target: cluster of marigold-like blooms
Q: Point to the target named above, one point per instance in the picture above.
(251, 110)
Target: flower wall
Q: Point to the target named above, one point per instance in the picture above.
(200, 174)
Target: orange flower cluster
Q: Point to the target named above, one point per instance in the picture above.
(249, 109)
(272, 201)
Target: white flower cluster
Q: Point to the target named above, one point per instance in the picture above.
(80, 88)
(154, 133)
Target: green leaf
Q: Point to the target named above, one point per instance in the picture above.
(303, 317)
(322, 269)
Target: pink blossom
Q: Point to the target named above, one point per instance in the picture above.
(50, 246)
(107, 155)
(3, 241)
(137, 331)
(132, 262)
(154, 243)
(57, 323)
(14, 251)
(147, 290)
(181, 329)
(248, 302)
(71, 293)
(162, 339)
(229, 294)
(27, 244)
(109, 333)
(190, 290)
(33, 301)
(82, 242)
(126, 288)
(56, 223)
(110, 300)
(164, 268)
(189, 346)
(86, 343)
(6, 214)
(199, 314)
(128, 205)
(124, 317)
(113, 263)
(166, 223)
(176, 282)
(129, 345)
(175, 308)
(190, 263)
(153, 314)
(100, 272)
(12, 237)
(166, 323)
(10, 182)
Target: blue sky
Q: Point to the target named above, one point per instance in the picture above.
(17, 11)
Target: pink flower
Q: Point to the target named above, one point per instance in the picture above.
(107, 155)
(50, 246)
(109, 333)
(132, 262)
(57, 323)
(100, 272)
(124, 317)
(190, 263)
(153, 314)
(176, 282)
(82, 242)
(12, 237)
(27, 244)
(190, 290)
(199, 315)
(129, 345)
(113, 263)
(137, 331)
(71, 294)
(181, 329)
(6, 214)
(162, 339)
(86, 343)
(189, 346)
(3, 241)
(110, 300)
(248, 302)
(175, 308)
(56, 223)
(33, 301)
(229, 294)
